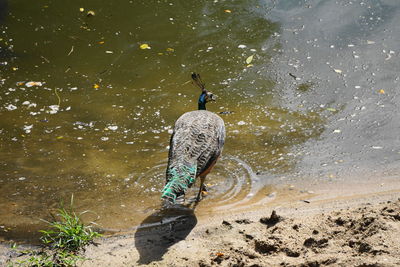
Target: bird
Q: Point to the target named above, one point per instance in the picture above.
(196, 143)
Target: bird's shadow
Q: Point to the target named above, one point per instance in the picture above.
(162, 229)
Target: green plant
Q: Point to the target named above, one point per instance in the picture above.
(51, 259)
(35, 259)
(70, 233)
(67, 234)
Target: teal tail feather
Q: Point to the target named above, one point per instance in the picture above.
(182, 178)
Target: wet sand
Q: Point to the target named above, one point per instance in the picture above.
(335, 227)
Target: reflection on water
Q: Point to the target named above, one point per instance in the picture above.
(97, 120)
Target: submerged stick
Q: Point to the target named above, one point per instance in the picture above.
(72, 50)
(59, 99)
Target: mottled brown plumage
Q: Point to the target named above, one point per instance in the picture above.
(195, 146)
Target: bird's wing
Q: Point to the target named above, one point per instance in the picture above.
(198, 138)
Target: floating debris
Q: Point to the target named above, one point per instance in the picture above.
(54, 109)
(249, 59)
(29, 104)
(144, 46)
(90, 13)
(11, 107)
(70, 52)
(113, 127)
(30, 84)
(293, 76)
(28, 128)
(338, 71)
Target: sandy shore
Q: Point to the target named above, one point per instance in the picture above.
(351, 229)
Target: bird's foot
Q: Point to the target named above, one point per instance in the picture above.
(204, 188)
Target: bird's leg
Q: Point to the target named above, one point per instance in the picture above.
(202, 179)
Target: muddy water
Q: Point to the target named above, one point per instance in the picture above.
(97, 119)
(96, 123)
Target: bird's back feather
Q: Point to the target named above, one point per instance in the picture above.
(196, 143)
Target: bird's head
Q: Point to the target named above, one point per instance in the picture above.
(205, 96)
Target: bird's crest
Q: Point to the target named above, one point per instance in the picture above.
(198, 82)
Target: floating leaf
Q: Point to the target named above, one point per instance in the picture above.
(81, 9)
(113, 127)
(249, 59)
(90, 13)
(96, 86)
(144, 46)
(381, 91)
(30, 84)
(338, 71)
(331, 109)
(227, 11)
(101, 42)
(169, 49)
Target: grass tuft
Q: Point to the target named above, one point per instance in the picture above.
(68, 233)
(66, 236)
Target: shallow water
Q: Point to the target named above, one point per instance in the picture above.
(98, 125)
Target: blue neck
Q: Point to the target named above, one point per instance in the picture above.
(202, 102)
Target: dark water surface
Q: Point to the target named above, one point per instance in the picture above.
(97, 119)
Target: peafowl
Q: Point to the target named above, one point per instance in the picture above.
(196, 143)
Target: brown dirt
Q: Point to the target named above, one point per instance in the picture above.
(360, 231)
(360, 235)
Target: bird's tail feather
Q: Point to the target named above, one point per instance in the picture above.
(182, 178)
